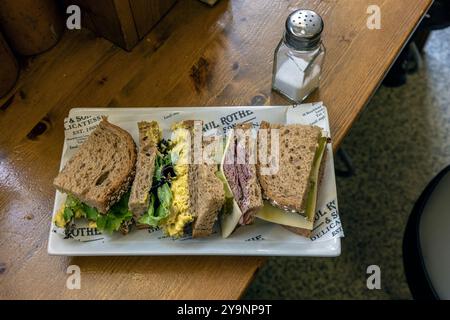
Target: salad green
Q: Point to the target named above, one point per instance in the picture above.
(160, 194)
(108, 223)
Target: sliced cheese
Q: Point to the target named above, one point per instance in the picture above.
(275, 215)
(229, 220)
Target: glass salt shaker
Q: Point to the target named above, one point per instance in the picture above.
(299, 56)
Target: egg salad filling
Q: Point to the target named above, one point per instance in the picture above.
(154, 133)
(180, 214)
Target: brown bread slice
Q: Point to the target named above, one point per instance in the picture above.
(289, 186)
(302, 231)
(209, 195)
(102, 169)
(149, 137)
(210, 199)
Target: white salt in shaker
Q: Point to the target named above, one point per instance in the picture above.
(299, 56)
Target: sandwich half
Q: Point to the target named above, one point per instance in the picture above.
(238, 172)
(294, 187)
(209, 195)
(97, 180)
(150, 179)
(239, 169)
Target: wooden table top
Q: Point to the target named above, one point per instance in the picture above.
(197, 56)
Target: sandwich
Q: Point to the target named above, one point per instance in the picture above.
(239, 171)
(209, 189)
(174, 188)
(97, 180)
(198, 194)
(150, 193)
(293, 188)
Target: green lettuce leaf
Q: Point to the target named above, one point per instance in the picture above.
(149, 218)
(161, 163)
(118, 214)
(155, 217)
(73, 202)
(110, 222)
(68, 214)
(165, 195)
(91, 213)
(73, 209)
(162, 212)
(160, 193)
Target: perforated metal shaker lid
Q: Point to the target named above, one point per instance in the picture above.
(303, 29)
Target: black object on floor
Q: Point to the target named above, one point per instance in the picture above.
(417, 274)
(396, 76)
(438, 17)
(344, 157)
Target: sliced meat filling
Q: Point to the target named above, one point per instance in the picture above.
(238, 173)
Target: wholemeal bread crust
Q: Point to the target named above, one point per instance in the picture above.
(289, 186)
(102, 169)
(209, 195)
(145, 168)
(306, 232)
(210, 199)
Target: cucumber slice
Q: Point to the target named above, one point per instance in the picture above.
(311, 199)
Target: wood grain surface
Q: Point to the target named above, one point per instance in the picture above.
(196, 56)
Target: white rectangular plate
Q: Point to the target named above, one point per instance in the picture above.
(259, 239)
